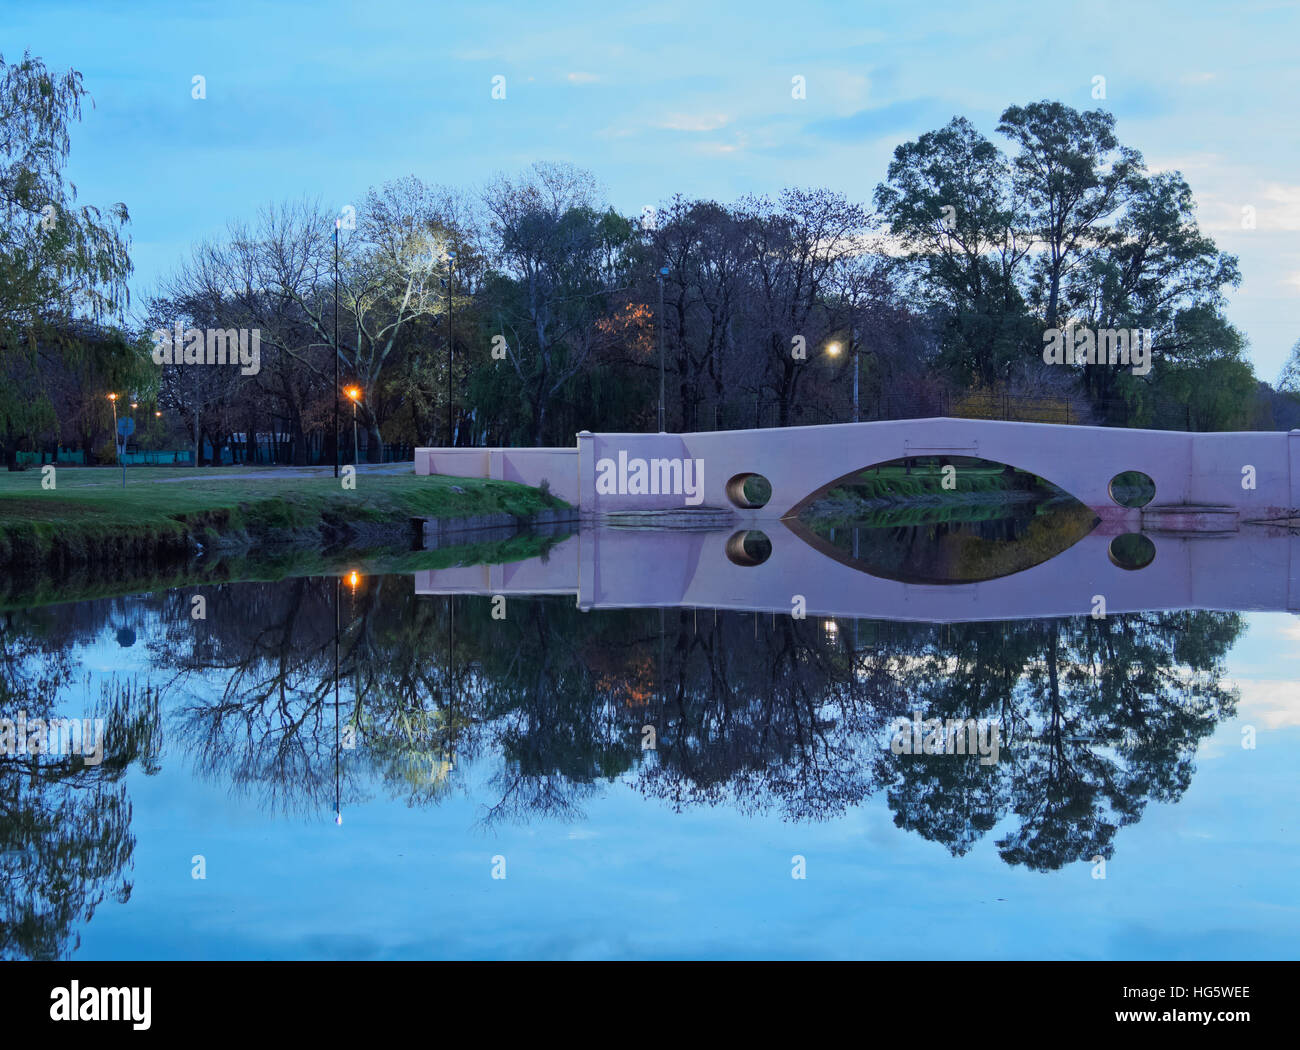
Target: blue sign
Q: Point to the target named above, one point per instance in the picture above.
(126, 426)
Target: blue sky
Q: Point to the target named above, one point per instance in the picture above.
(325, 99)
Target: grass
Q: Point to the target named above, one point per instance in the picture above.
(163, 511)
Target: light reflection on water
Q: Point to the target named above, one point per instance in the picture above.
(459, 736)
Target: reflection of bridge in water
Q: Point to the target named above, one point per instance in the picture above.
(1256, 568)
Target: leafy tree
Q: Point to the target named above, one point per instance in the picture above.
(58, 259)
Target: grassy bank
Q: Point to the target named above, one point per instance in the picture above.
(90, 581)
(922, 493)
(166, 513)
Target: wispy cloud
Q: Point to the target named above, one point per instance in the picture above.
(581, 78)
(907, 116)
(695, 122)
(1274, 702)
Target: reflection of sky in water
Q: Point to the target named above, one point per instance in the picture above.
(1213, 876)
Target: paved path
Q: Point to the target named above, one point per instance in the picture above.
(262, 474)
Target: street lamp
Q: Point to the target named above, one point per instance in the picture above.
(451, 346)
(118, 439)
(354, 395)
(663, 272)
(834, 350)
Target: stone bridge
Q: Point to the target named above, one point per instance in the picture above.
(1246, 476)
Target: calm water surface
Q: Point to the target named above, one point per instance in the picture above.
(462, 744)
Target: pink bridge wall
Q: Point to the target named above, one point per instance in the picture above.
(1188, 469)
(528, 466)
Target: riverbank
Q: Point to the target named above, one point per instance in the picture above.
(925, 494)
(90, 581)
(167, 515)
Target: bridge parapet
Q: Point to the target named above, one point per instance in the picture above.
(1257, 473)
(1249, 471)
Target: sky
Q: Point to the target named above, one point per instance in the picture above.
(324, 99)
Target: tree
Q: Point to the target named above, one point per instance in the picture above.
(58, 259)
(949, 198)
(1073, 175)
(560, 264)
(801, 248)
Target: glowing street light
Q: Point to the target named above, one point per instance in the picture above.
(354, 395)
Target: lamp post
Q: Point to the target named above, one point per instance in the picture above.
(853, 347)
(834, 350)
(663, 272)
(117, 448)
(337, 223)
(354, 395)
(451, 346)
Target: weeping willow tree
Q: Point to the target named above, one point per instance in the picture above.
(60, 260)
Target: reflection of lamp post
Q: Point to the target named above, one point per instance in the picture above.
(354, 395)
(338, 755)
(337, 223)
(353, 581)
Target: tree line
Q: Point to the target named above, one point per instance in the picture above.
(528, 308)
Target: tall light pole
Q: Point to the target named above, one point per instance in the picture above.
(663, 272)
(116, 436)
(834, 350)
(196, 419)
(853, 347)
(337, 222)
(451, 346)
(354, 395)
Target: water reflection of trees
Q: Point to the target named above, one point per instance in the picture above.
(759, 712)
(65, 825)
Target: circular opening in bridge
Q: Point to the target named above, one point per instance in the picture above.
(1132, 551)
(1132, 489)
(749, 491)
(749, 547)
